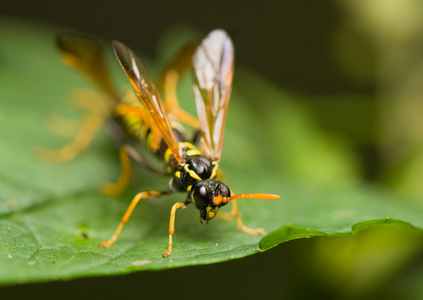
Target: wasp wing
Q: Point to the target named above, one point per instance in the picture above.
(213, 63)
(87, 56)
(148, 94)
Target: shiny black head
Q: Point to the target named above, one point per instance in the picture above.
(203, 192)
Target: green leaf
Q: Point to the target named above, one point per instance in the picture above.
(53, 216)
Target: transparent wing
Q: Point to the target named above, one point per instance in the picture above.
(148, 94)
(213, 63)
(86, 55)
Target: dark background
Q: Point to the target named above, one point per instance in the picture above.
(288, 42)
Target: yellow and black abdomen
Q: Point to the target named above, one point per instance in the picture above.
(130, 114)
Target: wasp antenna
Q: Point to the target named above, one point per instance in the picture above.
(220, 199)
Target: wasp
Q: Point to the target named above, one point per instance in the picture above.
(144, 116)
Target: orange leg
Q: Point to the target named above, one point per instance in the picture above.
(93, 101)
(175, 207)
(117, 188)
(227, 216)
(63, 127)
(171, 100)
(99, 107)
(125, 218)
(81, 141)
(241, 226)
(125, 152)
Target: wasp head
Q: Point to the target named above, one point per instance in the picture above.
(203, 195)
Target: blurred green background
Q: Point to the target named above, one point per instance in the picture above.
(358, 66)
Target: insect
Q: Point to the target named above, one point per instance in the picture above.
(144, 116)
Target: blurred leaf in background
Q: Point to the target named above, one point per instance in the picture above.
(380, 43)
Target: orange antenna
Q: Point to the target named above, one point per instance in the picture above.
(220, 199)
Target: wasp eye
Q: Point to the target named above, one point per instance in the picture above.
(200, 195)
(202, 191)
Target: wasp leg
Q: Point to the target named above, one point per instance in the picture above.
(125, 218)
(125, 152)
(117, 188)
(168, 81)
(241, 226)
(227, 216)
(171, 100)
(99, 107)
(82, 140)
(92, 101)
(63, 127)
(138, 158)
(175, 207)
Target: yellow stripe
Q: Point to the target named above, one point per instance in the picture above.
(132, 124)
(191, 172)
(193, 152)
(150, 140)
(216, 167)
(167, 155)
(187, 145)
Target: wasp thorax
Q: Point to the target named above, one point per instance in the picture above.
(202, 166)
(202, 194)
